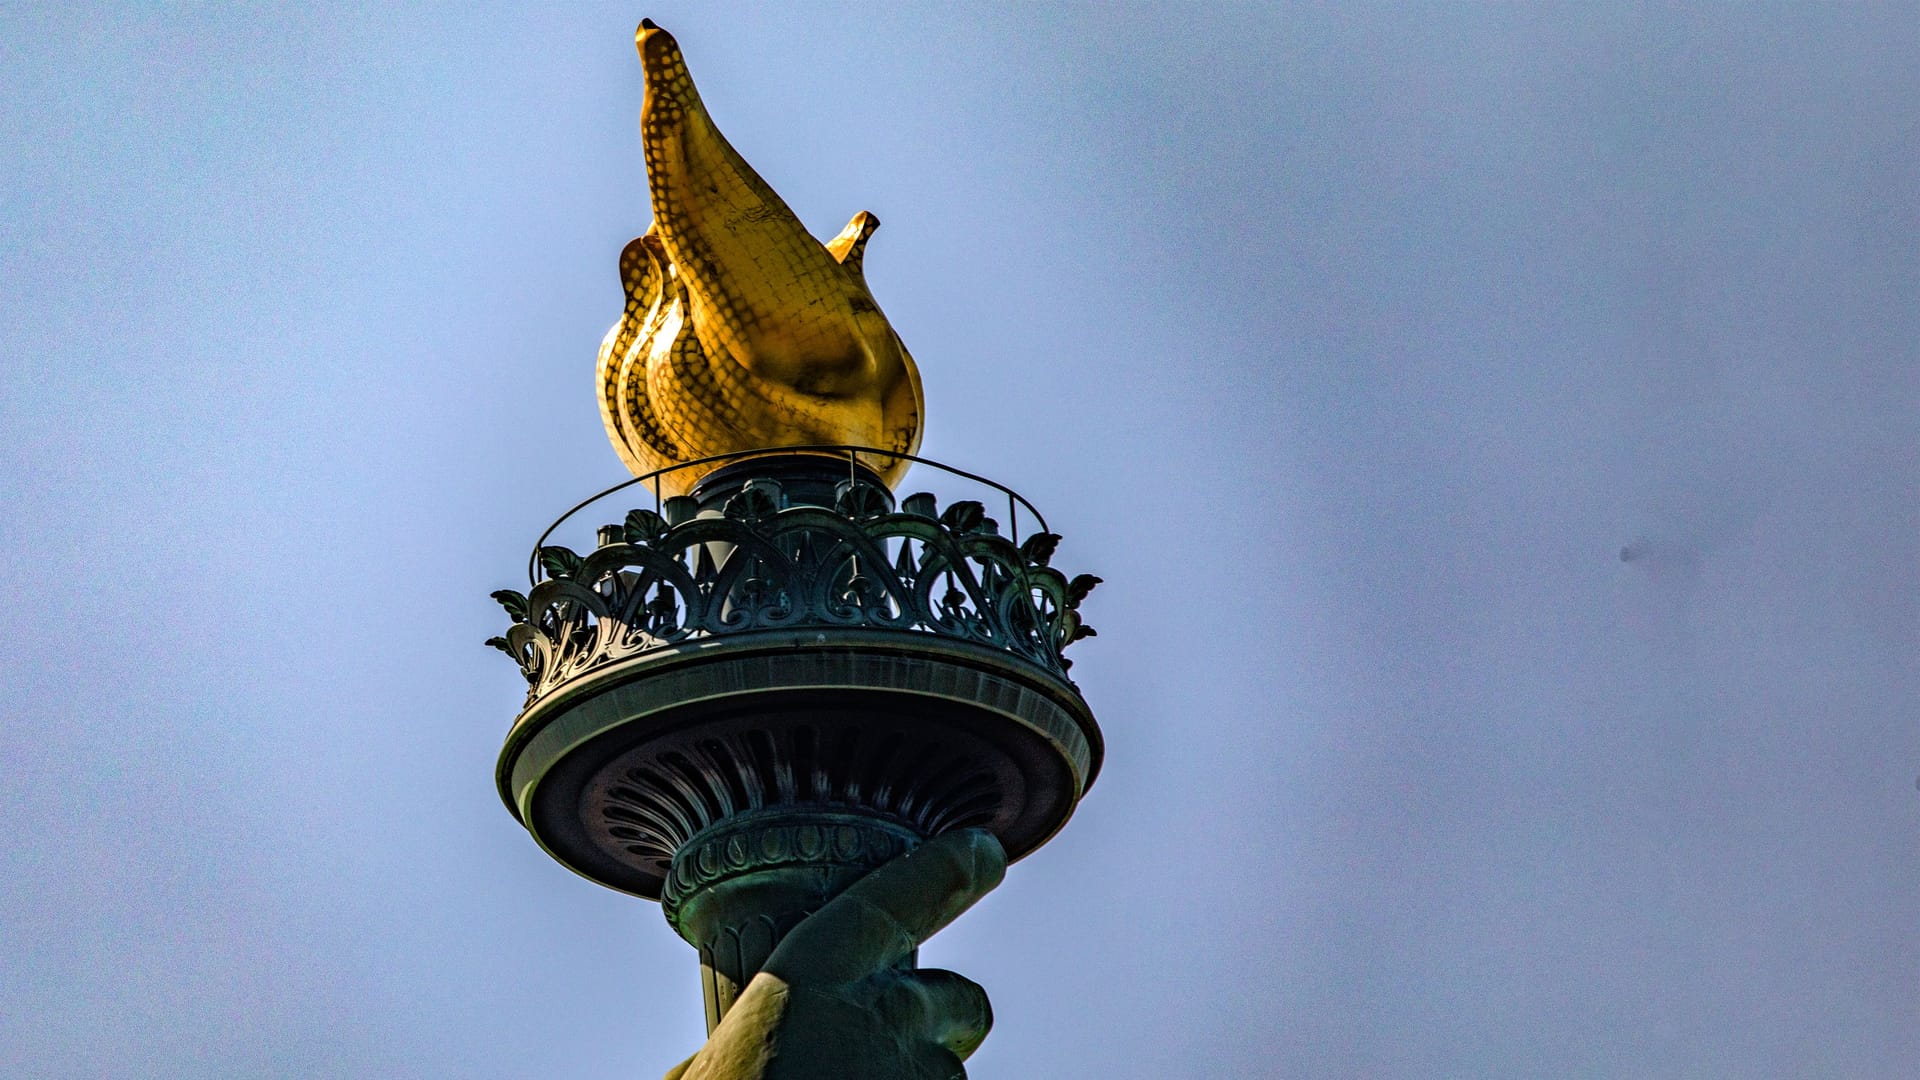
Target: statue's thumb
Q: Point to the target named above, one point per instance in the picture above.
(946, 1009)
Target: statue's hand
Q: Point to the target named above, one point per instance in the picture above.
(830, 1004)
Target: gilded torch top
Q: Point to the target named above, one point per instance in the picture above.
(741, 331)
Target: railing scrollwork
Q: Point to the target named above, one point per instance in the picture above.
(763, 562)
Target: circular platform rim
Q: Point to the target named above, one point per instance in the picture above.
(518, 776)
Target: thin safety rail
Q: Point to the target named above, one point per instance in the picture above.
(1015, 500)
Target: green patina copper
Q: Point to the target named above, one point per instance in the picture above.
(814, 723)
(754, 701)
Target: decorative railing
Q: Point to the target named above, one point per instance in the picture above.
(765, 562)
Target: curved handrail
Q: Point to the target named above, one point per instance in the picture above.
(853, 457)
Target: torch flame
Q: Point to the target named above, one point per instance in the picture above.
(741, 331)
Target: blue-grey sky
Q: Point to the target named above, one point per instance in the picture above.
(1351, 344)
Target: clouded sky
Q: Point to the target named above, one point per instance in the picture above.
(1353, 345)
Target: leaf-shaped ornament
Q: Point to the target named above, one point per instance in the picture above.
(759, 500)
(559, 562)
(515, 603)
(1079, 587)
(644, 527)
(1038, 548)
(860, 500)
(964, 516)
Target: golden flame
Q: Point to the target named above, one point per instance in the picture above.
(741, 331)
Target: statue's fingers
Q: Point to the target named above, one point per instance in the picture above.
(947, 1008)
(887, 914)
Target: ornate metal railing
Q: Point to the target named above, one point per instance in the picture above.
(1015, 500)
(674, 574)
